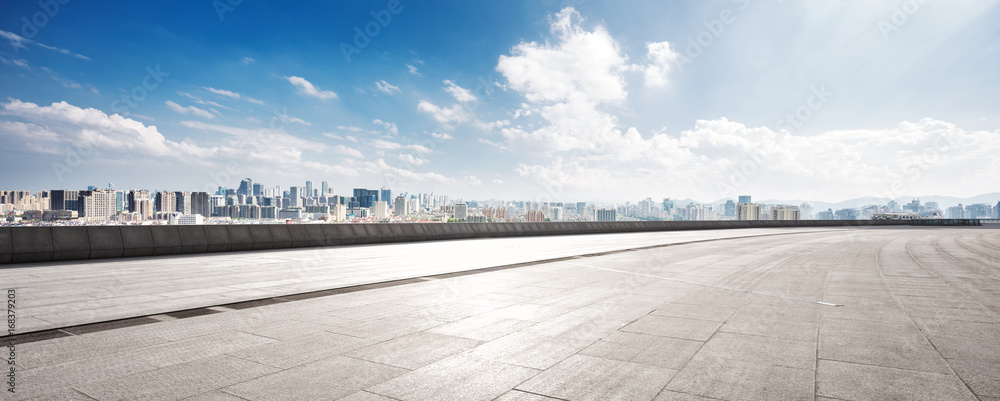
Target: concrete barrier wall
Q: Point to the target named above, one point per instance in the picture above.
(43, 244)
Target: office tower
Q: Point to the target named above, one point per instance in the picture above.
(645, 206)
(555, 213)
(747, 211)
(745, 199)
(293, 196)
(141, 202)
(258, 190)
(183, 200)
(61, 199)
(200, 204)
(365, 197)
(98, 205)
(461, 211)
(605, 215)
(668, 205)
(325, 187)
(386, 195)
(309, 190)
(729, 209)
(246, 187)
(400, 206)
(783, 212)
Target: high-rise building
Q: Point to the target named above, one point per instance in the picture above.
(385, 194)
(745, 199)
(366, 197)
(98, 205)
(166, 202)
(294, 197)
(62, 199)
(461, 211)
(309, 190)
(338, 212)
(200, 204)
(380, 209)
(747, 211)
(729, 209)
(606, 215)
(668, 205)
(325, 187)
(784, 212)
(555, 213)
(534, 216)
(183, 200)
(141, 203)
(246, 187)
(645, 206)
(400, 206)
(258, 189)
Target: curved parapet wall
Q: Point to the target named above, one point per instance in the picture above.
(44, 244)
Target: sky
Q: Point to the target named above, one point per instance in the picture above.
(521, 100)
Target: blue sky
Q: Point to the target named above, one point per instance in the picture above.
(533, 100)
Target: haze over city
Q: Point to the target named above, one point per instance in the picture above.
(563, 101)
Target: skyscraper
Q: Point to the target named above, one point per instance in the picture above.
(246, 187)
(400, 206)
(97, 205)
(385, 194)
(61, 199)
(605, 215)
(365, 197)
(166, 202)
(745, 199)
(309, 190)
(325, 187)
(747, 211)
(729, 209)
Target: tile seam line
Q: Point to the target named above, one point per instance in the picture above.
(383, 284)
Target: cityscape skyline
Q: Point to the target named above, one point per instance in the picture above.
(578, 100)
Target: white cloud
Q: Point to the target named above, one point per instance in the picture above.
(390, 128)
(662, 58)
(189, 110)
(233, 95)
(385, 87)
(459, 93)
(497, 181)
(412, 160)
(579, 65)
(17, 62)
(223, 92)
(445, 115)
(472, 180)
(441, 136)
(379, 167)
(308, 89)
(387, 145)
(18, 41)
(61, 125)
(347, 151)
(247, 61)
(413, 70)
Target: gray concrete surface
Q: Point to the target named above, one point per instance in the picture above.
(717, 315)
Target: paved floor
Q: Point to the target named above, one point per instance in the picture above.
(736, 318)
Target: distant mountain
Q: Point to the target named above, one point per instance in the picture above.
(943, 201)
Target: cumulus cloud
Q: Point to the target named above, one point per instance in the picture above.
(413, 70)
(412, 160)
(346, 151)
(387, 145)
(662, 60)
(189, 110)
(308, 89)
(579, 64)
(459, 93)
(390, 128)
(444, 115)
(385, 87)
(441, 136)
